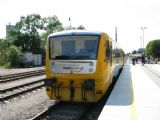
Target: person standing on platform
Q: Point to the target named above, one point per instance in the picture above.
(143, 60)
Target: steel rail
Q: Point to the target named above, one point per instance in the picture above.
(19, 86)
(21, 75)
(21, 92)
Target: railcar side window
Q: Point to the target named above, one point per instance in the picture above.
(107, 50)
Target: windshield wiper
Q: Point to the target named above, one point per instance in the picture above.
(62, 57)
(71, 57)
(81, 57)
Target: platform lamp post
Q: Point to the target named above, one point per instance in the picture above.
(116, 34)
(141, 42)
(143, 28)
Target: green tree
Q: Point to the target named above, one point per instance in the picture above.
(26, 32)
(52, 24)
(44, 36)
(30, 24)
(4, 44)
(14, 55)
(149, 48)
(153, 48)
(29, 37)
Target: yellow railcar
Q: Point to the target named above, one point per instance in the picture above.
(80, 65)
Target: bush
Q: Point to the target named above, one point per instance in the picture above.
(14, 56)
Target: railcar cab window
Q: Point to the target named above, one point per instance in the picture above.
(73, 47)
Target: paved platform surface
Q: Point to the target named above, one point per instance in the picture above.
(136, 95)
(5, 71)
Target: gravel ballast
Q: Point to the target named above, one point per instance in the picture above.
(25, 107)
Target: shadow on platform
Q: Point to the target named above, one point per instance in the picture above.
(122, 93)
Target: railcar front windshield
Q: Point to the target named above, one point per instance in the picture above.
(73, 47)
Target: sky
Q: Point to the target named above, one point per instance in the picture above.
(97, 15)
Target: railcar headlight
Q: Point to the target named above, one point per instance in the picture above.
(90, 69)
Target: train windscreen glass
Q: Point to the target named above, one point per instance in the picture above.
(73, 47)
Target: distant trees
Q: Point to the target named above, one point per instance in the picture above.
(26, 33)
(153, 48)
(31, 31)
(29, 34)
(134, 52)
(81, 27)
(139, 51)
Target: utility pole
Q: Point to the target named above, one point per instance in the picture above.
(116, 34)
(70, 23)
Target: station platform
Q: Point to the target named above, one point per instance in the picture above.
(135, 96)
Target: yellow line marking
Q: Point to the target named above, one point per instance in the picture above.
(133, 106)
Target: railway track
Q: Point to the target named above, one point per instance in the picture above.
(75, 111)
(18, 76)
(153, 71)
(15, 91)
(64, 111)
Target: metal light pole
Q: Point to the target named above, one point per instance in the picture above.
(141, 41)
(116, 34)
(143, 28)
